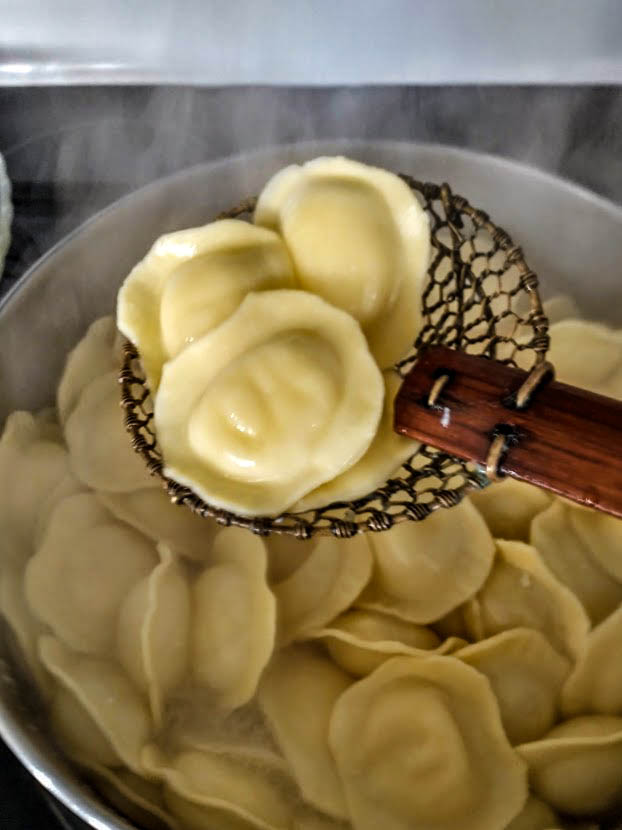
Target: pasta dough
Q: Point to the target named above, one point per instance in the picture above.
(281, 397)
(234, 621)
(509, 506)
(419, 743)
(425, 569)
(86, 565)
(588, 355)
(359, 238)
(192, 280)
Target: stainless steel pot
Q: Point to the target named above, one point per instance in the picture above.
(570, 236)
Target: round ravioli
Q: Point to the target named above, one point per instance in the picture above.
(154, 631)
(281, 397)
(86, 565)
(134, 797)
(106, 697)
(207, 789)
(576, 767)
(526, 674)
(387, 453)
(151, 511)
(565, 545)
(192, 280)
(99, 445)
(419, 743)
(35, 474)
(234, 618)
(535, 815)
(595, 684)
(509, 506)
(297, 695)
(95, 355)
(522, 592)
(326, 583)
(360, 641)
(588, 355)
(286, 554)
(425, 569)
(359, 238)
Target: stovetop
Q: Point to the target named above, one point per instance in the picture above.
(71, 151)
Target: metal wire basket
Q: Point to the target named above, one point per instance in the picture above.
(480, 297)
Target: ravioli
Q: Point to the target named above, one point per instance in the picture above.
(95, 355)
(425, 569)
(509, 506)
(151, 511)
(576, 766)
(595, 684)
(86, 565)
(109, 464)
(360, 641)
(234, 618)
(281, 397)
(153, 634)
(419, 743)
(326, 583)
(192, 280)
(386, 454)
(359, 238)
(297, 695)
(522, 592)
(588, 355)
(526, 675)
(35, 475)
(106, 697)
(205, 789)
(567, 550)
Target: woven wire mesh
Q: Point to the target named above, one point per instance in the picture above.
(480, 297)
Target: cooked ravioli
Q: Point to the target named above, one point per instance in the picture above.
(86, 565)
(419, 743)
(522, 592)
(104, 696)
(588, 355)
(566, 544)
(234, 619)
(595, 684)
(192, 280)
(35, 474)
(386, 454)
(206, 789)
(95, 355)
(153, 634)
(326, 583)
(509, 507)
(297, 695)
(359, 238)
(100, 450)
(281, 397)
(535, 815)
(151, 511)
(360, 641)
(526, 674)
(425, 569)
(576, 767)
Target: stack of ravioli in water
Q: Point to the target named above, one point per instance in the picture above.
(460, 672)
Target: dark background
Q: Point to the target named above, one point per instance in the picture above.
(71, 151)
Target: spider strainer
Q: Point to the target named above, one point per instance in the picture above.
(480, 297)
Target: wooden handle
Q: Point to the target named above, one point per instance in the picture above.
(564, 439)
